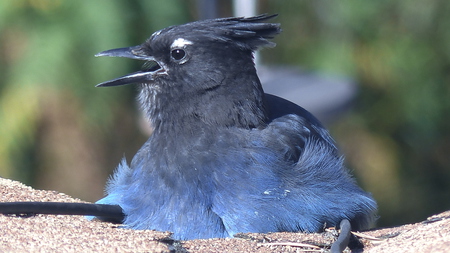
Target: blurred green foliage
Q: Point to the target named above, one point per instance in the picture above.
(59, 132)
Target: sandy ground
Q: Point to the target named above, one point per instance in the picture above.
(59, 233)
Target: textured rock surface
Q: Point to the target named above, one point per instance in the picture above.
(49, 233)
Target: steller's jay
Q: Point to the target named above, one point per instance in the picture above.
(225, 157)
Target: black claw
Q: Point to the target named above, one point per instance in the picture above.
(344, 237)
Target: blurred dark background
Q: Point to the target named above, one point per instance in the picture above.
(58, 132)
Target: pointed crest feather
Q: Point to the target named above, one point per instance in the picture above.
(247, 33)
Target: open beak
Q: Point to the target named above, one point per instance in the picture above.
(143, 76)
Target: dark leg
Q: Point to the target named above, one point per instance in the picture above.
(344, 237)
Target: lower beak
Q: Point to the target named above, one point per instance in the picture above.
(137, 53)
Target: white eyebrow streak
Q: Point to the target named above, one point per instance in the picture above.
(156, 33)
(180, 43)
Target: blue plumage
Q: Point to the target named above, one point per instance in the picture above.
(224, 157)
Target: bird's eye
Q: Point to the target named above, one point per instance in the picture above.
(178, 54)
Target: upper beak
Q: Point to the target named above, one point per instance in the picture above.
(137, 53)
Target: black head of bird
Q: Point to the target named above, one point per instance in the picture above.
(202, 70)
(224, 156)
